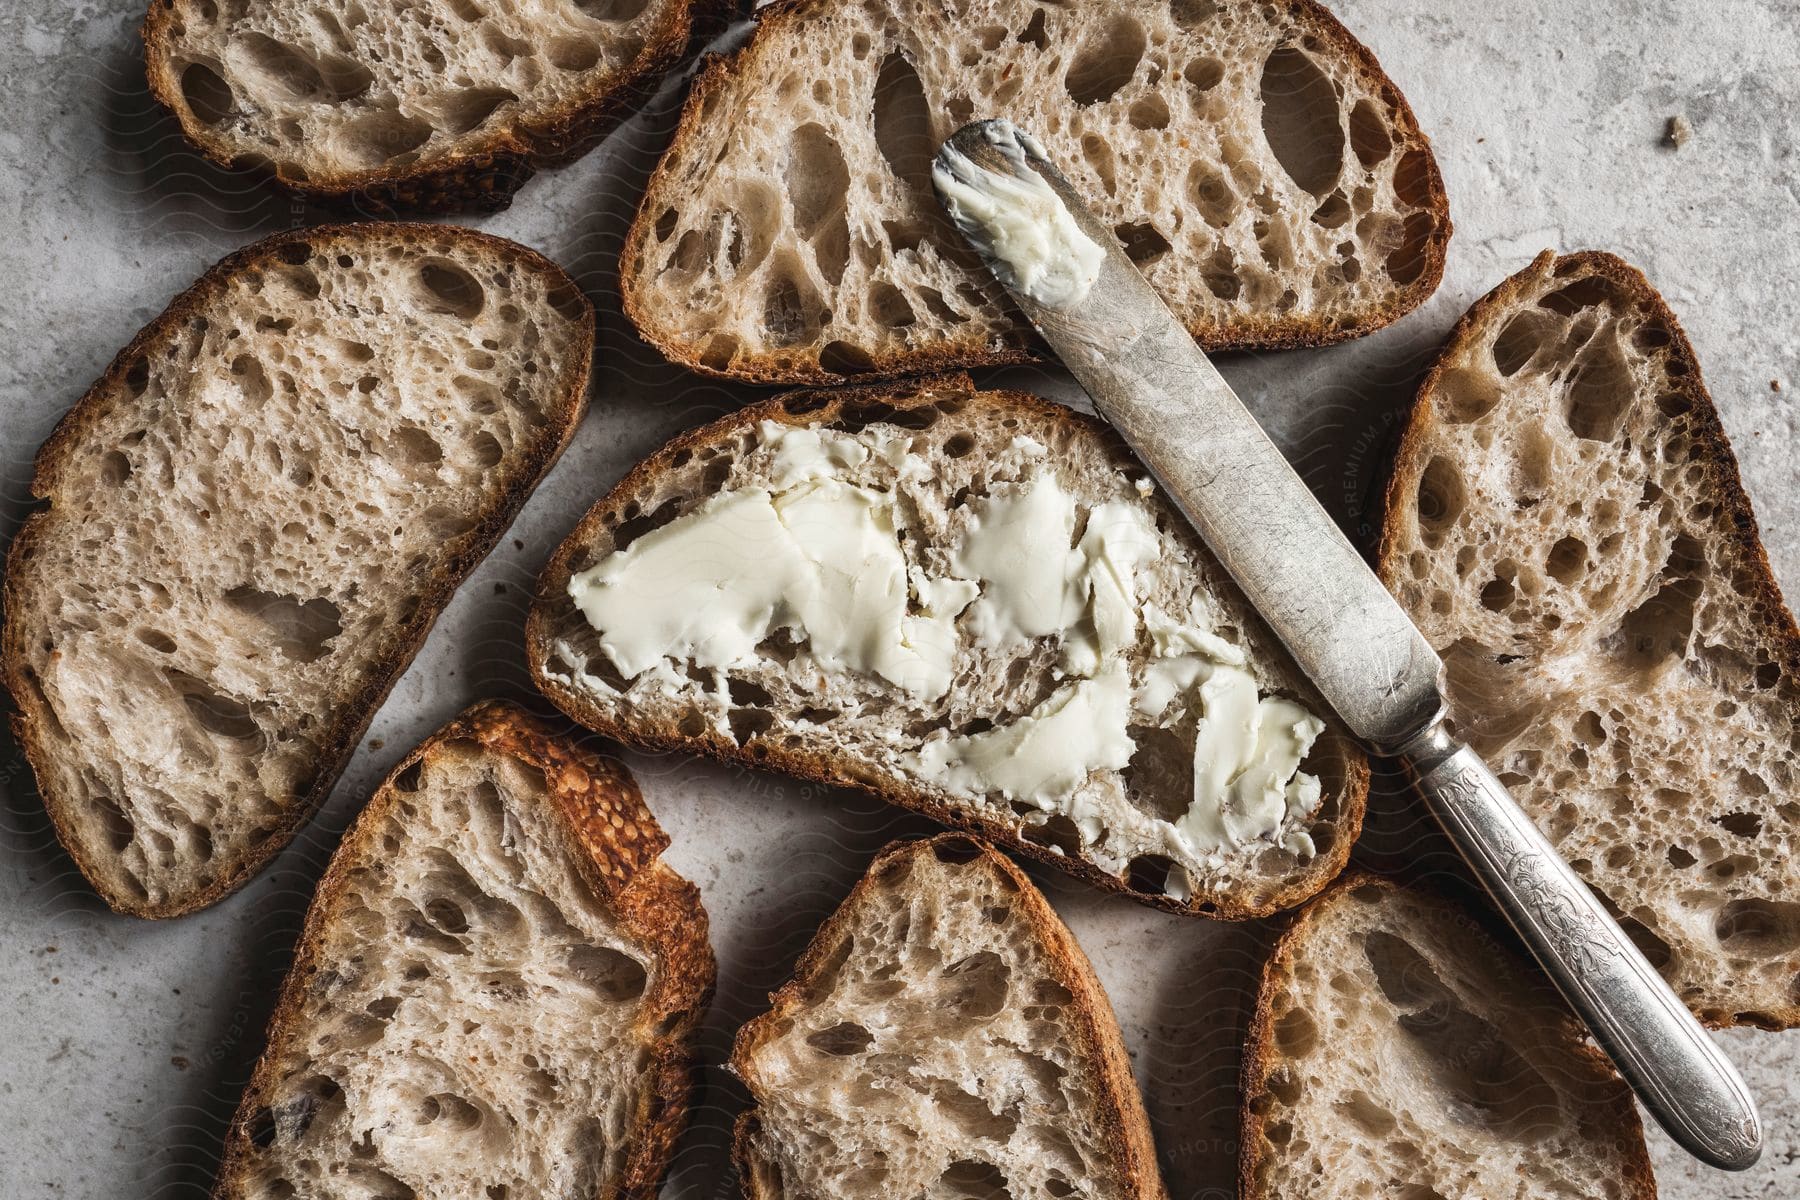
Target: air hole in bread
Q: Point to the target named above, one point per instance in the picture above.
(1660, 627)
(843, 358)
(972, 1180)
(1219, 273)
(1595, 291)
(1301, 120)
(217, 714)
(1600, 391)
(1567, 562)
(1106, 60)
(1407, 262)
(384, 136)
(616, 976)
(1442, 498)
(574, 53)
(445, 287)
(301, 630)
(612, 10)
(1366, 1113)
(1099, 155)
(1142, 241)
(791, 308)
(1521, 339)
(720, 349)
(1056, 832)
(889, 306)
(1369, 139)
(487, 450)
(902, 122)
(208, 96)
(276, 70)
(470, 108)
(1149, 112)
(842, 1040)
(115, 468)
(1464, 396)
(1758, 927)
(952, 850)
(248, 375)
(412, 446)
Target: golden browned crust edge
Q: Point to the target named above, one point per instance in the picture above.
(350, 718)
(1095, 1027)
(615, 843)
(1251, 333)
(808, 407)
(1710, 440)
(489, 167)
(1261, 1056)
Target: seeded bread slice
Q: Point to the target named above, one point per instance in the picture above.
(1566, 524)
(252, 521)
(942, 1036)
(786, 712)
(437, 106)
(1253, 158)
(495, 991)
(1399, 1049)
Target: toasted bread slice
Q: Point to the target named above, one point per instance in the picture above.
(253, 519)
(495, 990)
(945, 486)
(438, 106)
(1252, 157)
(1566, 524)
(1399, 1049)
(942, 1036)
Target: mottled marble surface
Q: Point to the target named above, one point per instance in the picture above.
(123, 1043)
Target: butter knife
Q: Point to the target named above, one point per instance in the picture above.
(1068, 274)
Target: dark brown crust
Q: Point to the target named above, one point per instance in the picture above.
(616, 844)
(798, 408)
(1711, 444)
(485, 172)
(1090, 1016)
(1261, 1057)
(351, 718)
(1265, 333)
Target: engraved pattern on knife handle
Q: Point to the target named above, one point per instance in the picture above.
(1676, 1070)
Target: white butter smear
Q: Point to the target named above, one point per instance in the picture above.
(1017, 222)
(824, 560)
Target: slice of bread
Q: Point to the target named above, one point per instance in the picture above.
(253, 519)
(1252, 157)
(441, 105)
(495, 990)
(1399, 1049)
(938, 463)
(1566, 524)
(943, 1036)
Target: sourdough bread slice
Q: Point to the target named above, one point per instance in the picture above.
(1399, 1049)
(253, 519)
(1252, 157)
(435, 106)
(1090, 739)
(942, 1036)
(495, 990)
(1566, 524)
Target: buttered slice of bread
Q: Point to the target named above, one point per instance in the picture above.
(1399, 1049)
(251, 522)
(1566, 524)
(435, 105)
(942, 1036)
(972, 604)
(1252, 157)
(495, 990)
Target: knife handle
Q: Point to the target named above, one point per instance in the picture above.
(1687, 1085)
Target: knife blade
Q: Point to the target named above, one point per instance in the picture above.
(1070, 277)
